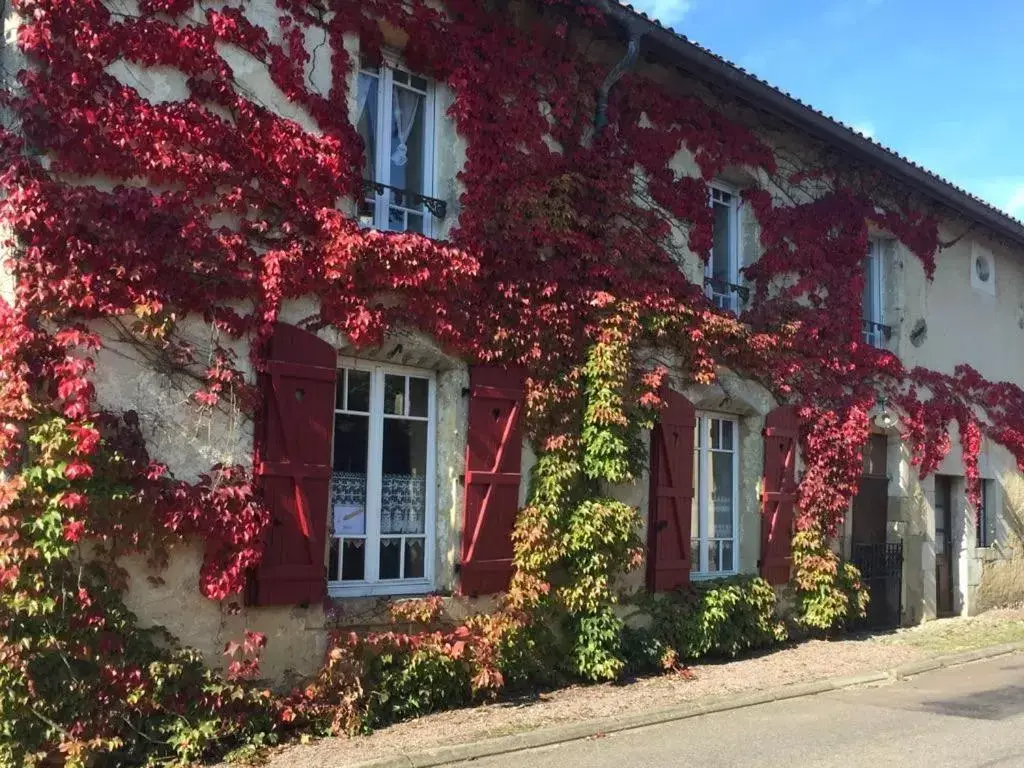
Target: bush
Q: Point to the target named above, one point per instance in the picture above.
(720, 618)
(415, 683)
(829, 592)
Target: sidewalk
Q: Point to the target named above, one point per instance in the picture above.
(810, 661)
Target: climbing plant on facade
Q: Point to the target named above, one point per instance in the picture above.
(567, 260)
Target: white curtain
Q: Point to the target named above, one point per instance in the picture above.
(362, 96)
(405, 105)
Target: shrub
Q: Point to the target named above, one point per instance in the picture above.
(829, 592)
(413, 683)
(720, 618)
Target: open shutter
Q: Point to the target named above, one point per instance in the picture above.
(493, 457)
(671, 496)
(293, 464)
(781, 433)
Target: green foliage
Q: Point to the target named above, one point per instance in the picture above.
(529, 656)
(602, 541)
(597, 646)
(100, 684)
(829, 593)
(718, 618)
(414, 683)
(79, 677)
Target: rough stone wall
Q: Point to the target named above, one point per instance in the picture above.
(189, 441)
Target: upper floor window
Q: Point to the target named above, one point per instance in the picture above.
(382, 482)
(875, 332)
(722, 272)
(395, 117)
(714, 522)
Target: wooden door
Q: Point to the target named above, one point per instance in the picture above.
(870, 510)
(871, 504)
(943, 545)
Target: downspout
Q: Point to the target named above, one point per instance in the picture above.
(636, 29)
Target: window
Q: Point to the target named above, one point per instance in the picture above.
(382, 482)
(395, 117)
(875, 333)
(714, 524)
(722, 272)
(986, 519)
(983, 270)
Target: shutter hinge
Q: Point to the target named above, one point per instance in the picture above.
(458, 567)
(467, 391)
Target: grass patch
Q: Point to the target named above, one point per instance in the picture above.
(960, 635)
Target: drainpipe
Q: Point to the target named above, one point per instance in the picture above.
(636, 29)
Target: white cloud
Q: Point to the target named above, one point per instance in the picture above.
(1005, 193)
(1014, 203)
(668, 12)
(865, 129)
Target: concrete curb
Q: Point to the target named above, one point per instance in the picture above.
(544, 737)
(955, 659)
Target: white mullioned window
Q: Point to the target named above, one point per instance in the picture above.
(714, 523)
(722, 271)
(395, 115)
(382, 481)
(875, 332)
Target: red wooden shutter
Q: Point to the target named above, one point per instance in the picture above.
(493, 456)
(293, 464)
(781, 432)
(671, 496)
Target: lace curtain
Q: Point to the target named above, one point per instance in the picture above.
(403, 499)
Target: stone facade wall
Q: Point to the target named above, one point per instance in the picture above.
(962, 322)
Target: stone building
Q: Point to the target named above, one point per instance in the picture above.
(402, 509)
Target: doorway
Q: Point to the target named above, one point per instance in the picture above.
(880, 562)
(944, 545)
(871, 504)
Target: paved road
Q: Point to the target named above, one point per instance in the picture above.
(968, 717)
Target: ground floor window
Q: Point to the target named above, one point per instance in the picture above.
(986, 520)
(714, 524)
(382, 481)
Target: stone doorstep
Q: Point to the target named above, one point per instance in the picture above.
(543, 737)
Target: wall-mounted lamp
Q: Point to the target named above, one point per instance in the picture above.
(884, 418)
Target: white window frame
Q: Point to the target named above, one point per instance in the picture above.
(382, 172)
(872, 334)
(730, 300)
(702, 506)
(372, 585)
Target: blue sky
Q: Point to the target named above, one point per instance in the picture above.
(939, 81)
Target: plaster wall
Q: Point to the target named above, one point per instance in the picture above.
(962, 325)
(940, 324)
(190, 440)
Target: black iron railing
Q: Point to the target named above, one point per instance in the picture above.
(875, 334)
(881, 572)
(726, 295)
(406, 199)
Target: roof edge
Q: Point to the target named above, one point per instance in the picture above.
(819, 125)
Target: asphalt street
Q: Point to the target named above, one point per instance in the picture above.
(970, 716)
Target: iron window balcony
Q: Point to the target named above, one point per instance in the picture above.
(725, 295)
(405, 199)
(875, 334)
